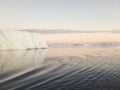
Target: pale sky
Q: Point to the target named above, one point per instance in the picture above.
(60, 14)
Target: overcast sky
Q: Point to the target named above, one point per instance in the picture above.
(60, 14)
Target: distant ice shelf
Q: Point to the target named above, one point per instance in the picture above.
(11, 40)
(89, 44)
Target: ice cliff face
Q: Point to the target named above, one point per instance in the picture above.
(11, 40)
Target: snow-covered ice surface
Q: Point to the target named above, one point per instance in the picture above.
(11, 40)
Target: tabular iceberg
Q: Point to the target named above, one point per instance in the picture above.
(11, 40)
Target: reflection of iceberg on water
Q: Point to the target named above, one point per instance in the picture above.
(15, 63)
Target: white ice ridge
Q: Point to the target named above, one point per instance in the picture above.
(11, 40)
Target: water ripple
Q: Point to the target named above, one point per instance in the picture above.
(90, 71)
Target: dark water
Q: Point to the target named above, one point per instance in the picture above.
(81, 68)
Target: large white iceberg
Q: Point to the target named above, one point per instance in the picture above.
(11, 40)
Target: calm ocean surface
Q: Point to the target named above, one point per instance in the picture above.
(62, 68)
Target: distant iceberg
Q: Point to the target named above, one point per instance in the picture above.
(88, 44)
(11, 40)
